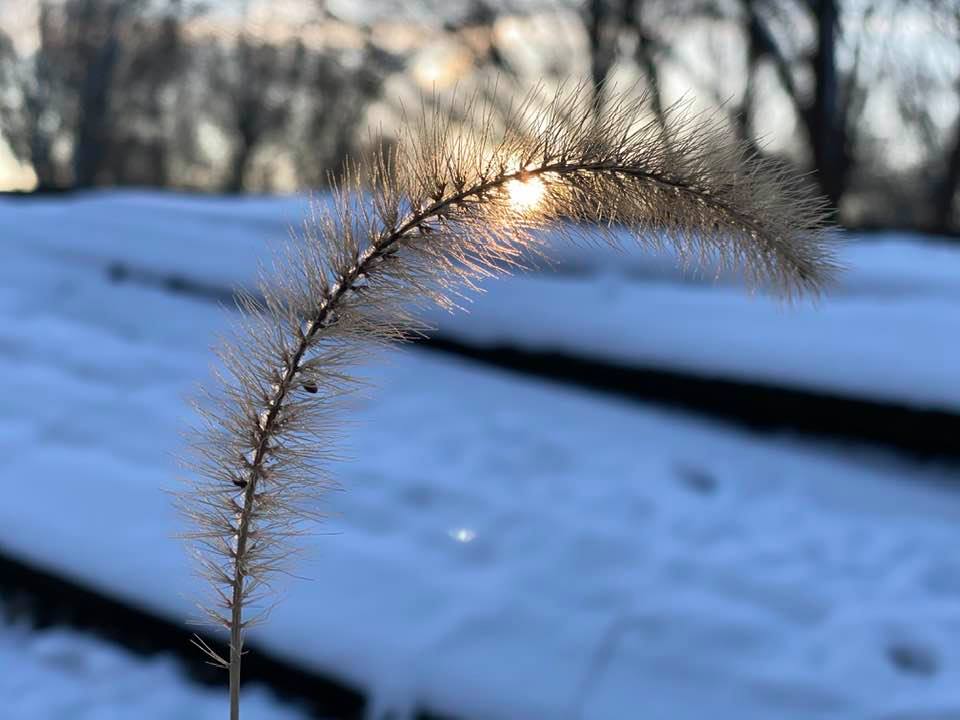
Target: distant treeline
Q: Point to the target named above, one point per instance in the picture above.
(169, 94)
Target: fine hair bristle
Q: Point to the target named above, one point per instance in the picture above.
(422, 224)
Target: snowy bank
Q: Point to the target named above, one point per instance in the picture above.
(511, 549)
(889, 331)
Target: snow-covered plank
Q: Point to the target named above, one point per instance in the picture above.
(889, 331)
(54, 674)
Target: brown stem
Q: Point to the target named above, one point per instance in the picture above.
(236, 639)
(328, 304)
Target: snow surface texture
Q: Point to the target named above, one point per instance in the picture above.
(59, 675)
(889, 331)
(503, 548)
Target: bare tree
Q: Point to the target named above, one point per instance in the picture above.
(946, 185)
(256, 109)
(602, 34)
(32, 121)
(830, 113)
(640, 25)
(146, 76)
(95, 82)
(341, 84)
(91, 29)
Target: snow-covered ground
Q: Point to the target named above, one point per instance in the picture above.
(59, 675)
(889, 330)
(502, 548)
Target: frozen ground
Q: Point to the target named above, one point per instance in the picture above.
(502, 548)
(889, 330)
(63, 675)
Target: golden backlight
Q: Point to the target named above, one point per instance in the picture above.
(525, 195)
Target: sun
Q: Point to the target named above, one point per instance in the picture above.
(526, 194)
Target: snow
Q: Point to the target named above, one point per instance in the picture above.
(55, 674)
(888, 331)
(502, 548)
(901, 350)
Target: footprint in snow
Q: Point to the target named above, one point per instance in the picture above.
(913, 659)
(696, 479)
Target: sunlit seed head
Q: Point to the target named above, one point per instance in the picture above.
(526, 194)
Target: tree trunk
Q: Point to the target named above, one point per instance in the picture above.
(632, 14)
(93, 133)
(825, 127)
(745, 123)
(601, 54)
(947, 188)
(239, 165)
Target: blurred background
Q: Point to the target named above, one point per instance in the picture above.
(267, 97)
(616, 487)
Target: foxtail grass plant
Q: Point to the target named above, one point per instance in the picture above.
(422, 224)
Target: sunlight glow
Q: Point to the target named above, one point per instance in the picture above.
(526, 194)
(463, 535)
(440, 66)
(14, 175)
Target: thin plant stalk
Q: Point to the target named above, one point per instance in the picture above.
(424, 224)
